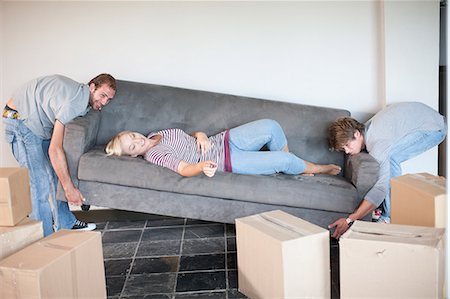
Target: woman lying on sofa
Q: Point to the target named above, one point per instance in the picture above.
(236, 150)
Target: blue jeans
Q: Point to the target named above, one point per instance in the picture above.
(32, 152)
(248, 139)
(406, 148)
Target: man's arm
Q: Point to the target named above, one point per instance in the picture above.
(59, 163)
(341, 225)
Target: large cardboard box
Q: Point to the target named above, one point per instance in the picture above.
(282, 256)
(418, 199)
(14, 238)
(398, 261)
(15, 199)
(66, 264)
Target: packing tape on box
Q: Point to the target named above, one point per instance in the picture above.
(283, 225)
(437, 181)
(401, 232)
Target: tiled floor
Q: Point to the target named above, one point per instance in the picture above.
(151, 256)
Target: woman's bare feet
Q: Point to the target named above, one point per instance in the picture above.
(312, 168)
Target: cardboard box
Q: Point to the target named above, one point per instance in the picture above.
(282, 256)
(15, 198)
(418, 199)
(66, 264)
(398, 261)
(14, 238)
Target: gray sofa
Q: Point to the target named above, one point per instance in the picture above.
(136, 185)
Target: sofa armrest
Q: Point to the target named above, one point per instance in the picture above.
(362, 171)
(80, 135)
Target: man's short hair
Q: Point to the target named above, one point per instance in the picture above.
(342, 131)
(104, 79)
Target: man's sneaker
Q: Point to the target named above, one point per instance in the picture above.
(384, 219)
(376, 215)
(83, 226)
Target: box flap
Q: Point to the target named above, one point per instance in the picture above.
(426, 182)
(6, 172)
(281, 225)
(428, 236)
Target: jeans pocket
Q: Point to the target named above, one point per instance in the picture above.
(9, 136)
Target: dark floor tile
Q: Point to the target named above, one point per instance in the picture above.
(334, 264)
(198, 281)
(231, 261)
(231, 244)
(197, 246)
(165, 221)
(334, 242)
(202, 262)
(114, 285)
(147, 284)
(203, 295)
(235, 294)
(154, 296)
(100, 225)
(119, 250)
(155, 265)
(158, 234)
(117, 267)
(198, 222)
(159, 248)
(230, 229)
(232, 279)
(126, 224)
(204, 231)
(121, 236)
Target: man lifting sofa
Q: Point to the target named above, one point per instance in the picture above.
(134, 184)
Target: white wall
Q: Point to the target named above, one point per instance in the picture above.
(2, 142)
(320, 53)
(412, 61)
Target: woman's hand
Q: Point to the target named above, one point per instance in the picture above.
(203, 143)
(209, 168)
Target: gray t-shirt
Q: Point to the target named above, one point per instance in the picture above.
(44, 100)
(389, 126)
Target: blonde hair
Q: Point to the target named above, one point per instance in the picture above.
(113, 147)
(342, 131)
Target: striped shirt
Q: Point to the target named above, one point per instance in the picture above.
(176, 146)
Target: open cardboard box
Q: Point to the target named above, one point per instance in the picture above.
(398, 261)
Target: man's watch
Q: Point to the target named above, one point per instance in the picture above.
(349, 221)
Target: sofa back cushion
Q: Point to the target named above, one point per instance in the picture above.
(146, 107)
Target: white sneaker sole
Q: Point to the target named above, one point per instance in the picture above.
(91, 226)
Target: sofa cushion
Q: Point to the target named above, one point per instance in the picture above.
(321, 192)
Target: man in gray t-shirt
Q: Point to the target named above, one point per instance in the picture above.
(35, 119)
(396, 134)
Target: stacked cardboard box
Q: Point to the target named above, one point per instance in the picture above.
(419, 199)
(15, 200)
(16, 230)
(17, 237)
(389, 260)
(282, 256)
(66, 264)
